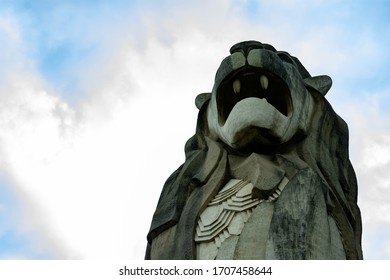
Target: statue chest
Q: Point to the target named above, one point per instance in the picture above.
(225, 227)
(255, 211)
(235, 224)
(264, 215)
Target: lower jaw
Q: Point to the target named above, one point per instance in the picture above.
(248, 117)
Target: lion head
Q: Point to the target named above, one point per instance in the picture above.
(263, 102)
(260, 97)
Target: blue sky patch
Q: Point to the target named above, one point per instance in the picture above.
(13, 242)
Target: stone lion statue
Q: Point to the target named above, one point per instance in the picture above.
(267, 174)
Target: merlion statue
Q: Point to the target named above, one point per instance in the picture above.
(267, 174)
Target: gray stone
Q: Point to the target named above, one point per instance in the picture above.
(266, 123)
(207, 251)
(236, 225)
(226, 251)
(253, 239)
(224, 216)
(166, 238)
(300, 223)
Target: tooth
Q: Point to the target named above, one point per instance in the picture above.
(264, 81)
(236, 86)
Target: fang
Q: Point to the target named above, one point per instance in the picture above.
(264, 82)
(236, 86)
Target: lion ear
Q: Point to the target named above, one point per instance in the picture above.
(321, 83)
(201, 99)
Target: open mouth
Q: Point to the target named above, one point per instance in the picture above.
(252, 82)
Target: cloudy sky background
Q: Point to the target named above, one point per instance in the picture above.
(97, 101)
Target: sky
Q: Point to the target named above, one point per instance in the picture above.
(97, 102)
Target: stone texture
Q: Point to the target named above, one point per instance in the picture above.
(253, 239)
(166, 238)
(266, 122)
(224, 216)
(207, 251)
(226, 251)
(300, 227)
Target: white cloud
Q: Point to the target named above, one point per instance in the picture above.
(94, 171)
(369, 151)
(8, 26)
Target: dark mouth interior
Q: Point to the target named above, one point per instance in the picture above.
(277, 93)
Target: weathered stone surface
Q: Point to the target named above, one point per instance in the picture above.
(166, 238)
(254, 237)
(300, 227)
(224, 216)
(266, 122)
(207, 250)
(226, 251)
(259, 170)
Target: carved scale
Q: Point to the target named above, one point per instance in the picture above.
(225, 216)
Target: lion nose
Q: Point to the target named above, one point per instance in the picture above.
(246, 46)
